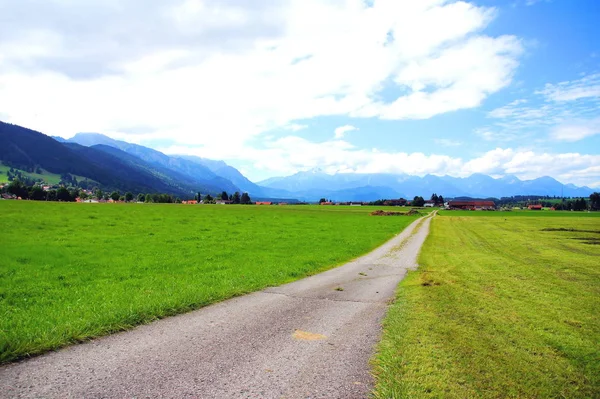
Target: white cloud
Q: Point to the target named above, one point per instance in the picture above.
(342, 130)
(212, 73)
(565, 111)
(290, 154)
(576, 130)
(295, 127)
(586, 87)
(447, 142)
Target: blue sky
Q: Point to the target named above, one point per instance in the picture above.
(435, 86)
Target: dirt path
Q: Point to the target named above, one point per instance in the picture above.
(309, 339)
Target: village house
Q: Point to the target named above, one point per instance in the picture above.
(472, 205)
(536, 207)
(263, 203)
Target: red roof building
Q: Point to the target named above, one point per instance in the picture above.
(472, 205)
(535, 207)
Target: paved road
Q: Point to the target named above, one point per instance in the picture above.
(308, 339)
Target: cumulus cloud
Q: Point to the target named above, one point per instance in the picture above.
(342, 130)
(209, 73)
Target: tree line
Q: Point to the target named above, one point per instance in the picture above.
(560, 204)
(34, 191)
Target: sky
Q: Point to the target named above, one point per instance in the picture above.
(275, 87)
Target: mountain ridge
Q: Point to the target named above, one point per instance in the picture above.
(182, 174)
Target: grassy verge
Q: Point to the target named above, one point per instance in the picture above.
(500, 307)
(74, 271)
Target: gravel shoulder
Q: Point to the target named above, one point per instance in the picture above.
(309, 339)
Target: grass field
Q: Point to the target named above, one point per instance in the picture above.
(504, 304)
(49, 178)
(73, 271)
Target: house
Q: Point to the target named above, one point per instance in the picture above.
(263, 203)
(536, 207)
(190, 202)
(429, 204)
(472, 205)
(223, 202)
(327, 203)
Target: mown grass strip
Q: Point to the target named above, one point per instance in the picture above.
(69, 272)
(499, 308)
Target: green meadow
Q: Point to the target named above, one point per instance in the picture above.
(49, 178)
(71, 271)
(503, 305)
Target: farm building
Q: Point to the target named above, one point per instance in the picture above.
(472, 205)
(263, 203)
(535, 207)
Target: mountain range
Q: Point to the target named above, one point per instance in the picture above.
(123, 166)
(364, 187)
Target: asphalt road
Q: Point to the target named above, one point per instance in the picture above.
(309, 339)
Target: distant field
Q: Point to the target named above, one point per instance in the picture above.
(503, 305)
(522, 212)
(73, 271)
(49, 178)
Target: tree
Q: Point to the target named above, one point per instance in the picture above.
(51, 195)
(245, 199)
(580, 205)
(435, 198)
(322, 200)
(224, 196)
(128, 196)
(236, 197)
(441, 200)
(74, 193)
(199, 197)
(62, 194)
(115, 195)
(418, 201)
(595, 201)
(37, 193)
(208, 198)
(141, 197)
(18, 188)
